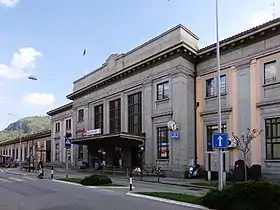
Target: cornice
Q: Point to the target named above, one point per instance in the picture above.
(60, 109)
(177, 51)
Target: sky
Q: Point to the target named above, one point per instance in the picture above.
(46, 39)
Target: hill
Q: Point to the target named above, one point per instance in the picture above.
(25, 126)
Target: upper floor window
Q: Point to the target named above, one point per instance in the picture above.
(223, 84)
(210, 87)
(135, 113)
(162, 143)
(57, 127)
(270, 72)
(115, 116)
(211, 129)
(98, 117)
(81, 115)
(68, 124)
(163, 91)
(272, 138)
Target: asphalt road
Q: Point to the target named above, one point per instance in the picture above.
(20, 192)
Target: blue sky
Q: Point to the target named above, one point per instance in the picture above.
(46, 38)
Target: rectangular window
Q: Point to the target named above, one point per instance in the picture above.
(135, 113)
(223, 87)
(81, 153)
(272, 138)
(81, 115)
(98, 117)
(163, 91)
(115, 116)
(68, 124)
(57, 127)
(210, 87)
(270, 72)
(212, 129)
(162, 143)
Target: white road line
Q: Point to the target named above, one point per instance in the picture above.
(108, 190)
(30, 178)
(4, 180)
(15, 179)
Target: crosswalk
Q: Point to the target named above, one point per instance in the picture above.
(13, 179)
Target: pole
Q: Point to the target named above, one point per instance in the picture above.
(20, 146)
(66, 163)
(219, 95)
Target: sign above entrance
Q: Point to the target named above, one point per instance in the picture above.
(93, 132)
(172, 125)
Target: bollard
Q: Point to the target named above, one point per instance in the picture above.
(130, 184)
(52, 172)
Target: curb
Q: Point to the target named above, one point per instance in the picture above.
(92, 187)
(167, 201)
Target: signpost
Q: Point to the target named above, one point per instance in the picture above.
(67, 146)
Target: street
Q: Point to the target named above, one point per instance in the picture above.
(26, 192)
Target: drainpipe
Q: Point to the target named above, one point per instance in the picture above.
(196, 104)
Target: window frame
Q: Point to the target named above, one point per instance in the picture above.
(99, 117)
(207, 89)
(269, 136)
(57, 127)
(160, 130)
(81, 115)
(209, 134)
(135, 112)
(68, 124)
(165, 95)
(223, 87)
(273, 78)
(115, 115)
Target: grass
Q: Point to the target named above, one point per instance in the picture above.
(175, 196)
(209, 183)
(78, 180)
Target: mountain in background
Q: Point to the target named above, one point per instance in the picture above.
(25, 126)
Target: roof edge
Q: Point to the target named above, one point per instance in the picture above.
(60, 109)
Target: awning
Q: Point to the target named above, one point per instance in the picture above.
(112, 136)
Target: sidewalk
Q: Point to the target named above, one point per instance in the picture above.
(197, 183)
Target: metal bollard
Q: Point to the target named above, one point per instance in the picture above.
(52, 172)
(130, 184)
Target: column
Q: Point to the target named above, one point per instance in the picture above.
(106, 117)
(22, 152)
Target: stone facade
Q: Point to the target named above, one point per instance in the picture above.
(174, 58)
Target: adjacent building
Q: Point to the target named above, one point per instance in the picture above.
(130, 99)
(37, 146)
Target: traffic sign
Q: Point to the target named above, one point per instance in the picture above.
(67, 143)
(174, 134)
(220, 141)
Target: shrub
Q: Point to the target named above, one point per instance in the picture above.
(245, 196)
(95, 180)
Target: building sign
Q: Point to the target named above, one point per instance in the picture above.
(175, 134)
(91, 132)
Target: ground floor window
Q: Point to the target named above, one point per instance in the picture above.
(272, 138)
(162, 143)
(81, 153)
(212, 129)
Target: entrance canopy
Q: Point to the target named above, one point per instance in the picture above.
(109, 137)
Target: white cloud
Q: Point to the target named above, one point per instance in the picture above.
(38, 99)
(264, 15)
(23, 60)
(9, 3)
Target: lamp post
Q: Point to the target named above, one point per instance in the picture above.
(20, 137)
(219, 95)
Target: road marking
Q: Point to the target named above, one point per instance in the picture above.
(15, 179)
(167, 201)
(108, 190)
(30, 178)
(4, 180)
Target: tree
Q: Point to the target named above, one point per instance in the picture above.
(243, 144)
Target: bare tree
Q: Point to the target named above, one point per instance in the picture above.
(243, 144)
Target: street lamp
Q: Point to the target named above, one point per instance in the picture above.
(20, 137)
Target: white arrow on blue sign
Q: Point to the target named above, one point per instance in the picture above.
(67, 143)
(220, 141)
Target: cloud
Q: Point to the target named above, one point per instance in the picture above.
(261, 17)
(22, 61)
(38, 99)
(8, 3)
